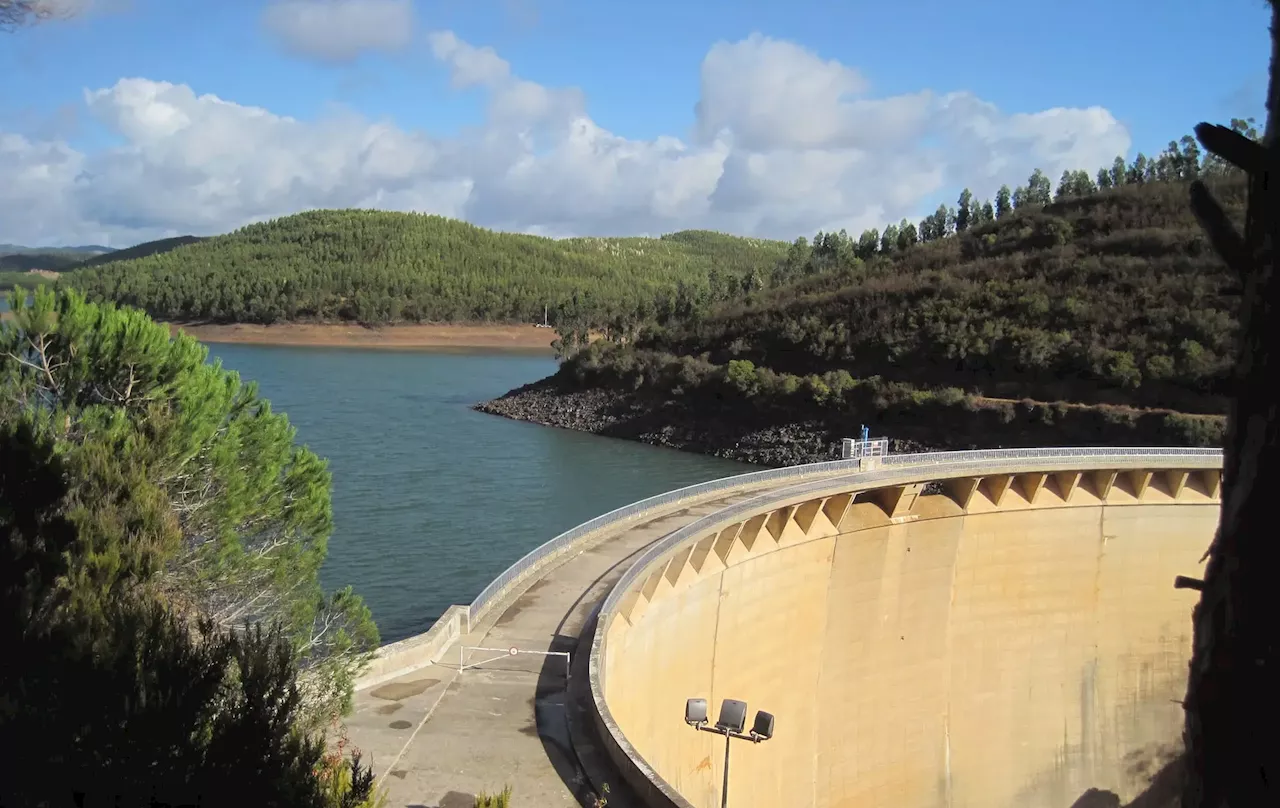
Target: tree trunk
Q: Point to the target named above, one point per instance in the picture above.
(1232, 732)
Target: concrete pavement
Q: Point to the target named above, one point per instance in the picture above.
(437, 736)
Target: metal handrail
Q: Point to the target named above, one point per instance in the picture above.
(498, 587)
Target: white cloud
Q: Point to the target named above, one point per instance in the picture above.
(785, 144)
(469, 65)
(36, 189)
(774, 94)
(338, 31)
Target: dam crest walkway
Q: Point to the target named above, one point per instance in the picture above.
(437, 733)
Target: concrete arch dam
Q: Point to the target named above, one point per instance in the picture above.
(984, 633)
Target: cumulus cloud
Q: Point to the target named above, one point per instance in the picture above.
(338, 31)
(469, 65)
(772, 94)
(785, 143)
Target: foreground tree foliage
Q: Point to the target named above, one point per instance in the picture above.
(124, 703)
(185, 486)
(1233, 691)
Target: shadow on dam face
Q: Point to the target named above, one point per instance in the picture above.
(1023, 656)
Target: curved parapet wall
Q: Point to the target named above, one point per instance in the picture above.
(413, 653)
(1008, 637)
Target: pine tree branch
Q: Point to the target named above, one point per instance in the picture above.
(1224, 238)
(1243, 153)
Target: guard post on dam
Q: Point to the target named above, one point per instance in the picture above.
(975, 628)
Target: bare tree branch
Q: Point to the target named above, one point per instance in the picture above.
(15, 14)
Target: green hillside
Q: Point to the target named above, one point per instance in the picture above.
(1099, 314)
(1114, 297)
(380, 267)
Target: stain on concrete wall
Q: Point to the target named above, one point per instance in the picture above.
(969, 660)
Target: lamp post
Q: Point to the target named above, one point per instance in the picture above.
(733, 717)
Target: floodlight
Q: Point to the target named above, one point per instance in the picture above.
(695, 712)
(733, 715)
(763, 727)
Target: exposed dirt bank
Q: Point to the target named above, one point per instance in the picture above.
(512, 337)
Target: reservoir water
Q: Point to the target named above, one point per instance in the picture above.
(432, 500)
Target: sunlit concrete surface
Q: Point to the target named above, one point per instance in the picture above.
(1013, 641)
(436, 737)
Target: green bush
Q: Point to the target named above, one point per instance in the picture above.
(1160, 367)
(500, 800)
(816, 389)
(951, 396)
(741, 376)
(1195, 430)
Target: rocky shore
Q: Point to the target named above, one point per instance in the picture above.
(787, 433)
(763, 438)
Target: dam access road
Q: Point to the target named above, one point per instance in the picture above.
(966, 628)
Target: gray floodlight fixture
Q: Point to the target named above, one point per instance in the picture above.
(733, 715)
(762, 729)
(695, 712)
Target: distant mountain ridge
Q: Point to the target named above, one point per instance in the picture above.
(16, 258)
(18, 249)
(142, 250)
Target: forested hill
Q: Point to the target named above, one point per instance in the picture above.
(1113, 297)
(381, 267)
(1096, 315)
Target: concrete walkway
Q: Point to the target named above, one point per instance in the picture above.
(437, 737)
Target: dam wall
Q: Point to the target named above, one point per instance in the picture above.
(421, 650)
(988, 633)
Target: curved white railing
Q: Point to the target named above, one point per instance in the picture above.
(535, 559)
(423, 649)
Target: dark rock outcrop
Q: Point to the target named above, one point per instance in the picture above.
(764, 437)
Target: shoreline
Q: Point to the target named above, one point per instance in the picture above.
(524, 338)
(747, 437)
(782, 436)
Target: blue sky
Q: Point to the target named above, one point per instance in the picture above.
(640, 70)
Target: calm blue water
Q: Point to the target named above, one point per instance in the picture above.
(431, 499)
